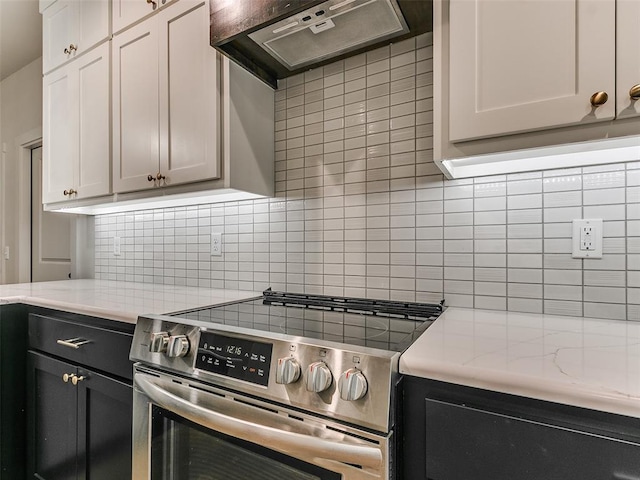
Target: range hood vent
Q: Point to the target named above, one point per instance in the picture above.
(275, 39)
(330, 29)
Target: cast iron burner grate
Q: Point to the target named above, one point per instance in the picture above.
(386, 308)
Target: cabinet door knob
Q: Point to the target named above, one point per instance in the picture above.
(599, 98)
(71, 191)
(70, 48)
(75, 379)
(68, 376)
(634, 93)
(153, 4)
(159, 176)
(150, 177)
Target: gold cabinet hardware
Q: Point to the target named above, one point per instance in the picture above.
(153, 4)
(158, 177)
(599, 98)
(634, 93)
(75, 379)
(68, 376)
(71, 191)
(70, 48)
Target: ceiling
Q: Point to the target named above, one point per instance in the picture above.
(20, 35)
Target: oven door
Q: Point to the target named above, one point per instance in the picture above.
(184, 430)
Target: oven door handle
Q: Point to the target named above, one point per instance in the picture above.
(292, 443)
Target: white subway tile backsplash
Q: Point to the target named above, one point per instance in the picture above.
(361, 210)
(559, 307)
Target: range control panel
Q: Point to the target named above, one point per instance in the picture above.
(234, 357)
(341, 381)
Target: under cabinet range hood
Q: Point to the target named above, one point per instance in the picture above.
(276, 38)
(331, 28)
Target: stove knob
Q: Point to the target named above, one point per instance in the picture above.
(319, 377)
(352, 385)
(158, 342)
(288, 370)
(178, 346)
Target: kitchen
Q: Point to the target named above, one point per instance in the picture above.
(382, 223)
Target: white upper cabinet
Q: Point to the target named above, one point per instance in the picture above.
(534, 84)
(58, 134)
(76, 129)
(127, 12)
(72, 27)
(628, 58)
(527, 65)
(166, 114)
(189, 95)
(136, 124)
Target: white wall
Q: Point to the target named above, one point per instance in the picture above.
(20, 113)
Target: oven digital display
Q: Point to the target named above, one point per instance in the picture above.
(234, 357)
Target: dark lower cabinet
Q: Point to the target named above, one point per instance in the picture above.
(13, 358)
(452, 432)
(79, 418)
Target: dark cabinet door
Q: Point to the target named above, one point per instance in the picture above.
(105, 411)
(52, 419)
(77, 431)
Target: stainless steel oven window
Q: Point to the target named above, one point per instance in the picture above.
(306, 446)
(182, 450)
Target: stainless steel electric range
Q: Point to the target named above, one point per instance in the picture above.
(283, 386)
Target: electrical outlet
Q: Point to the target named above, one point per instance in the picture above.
(116, 246)
(587, 238)
(216, 244)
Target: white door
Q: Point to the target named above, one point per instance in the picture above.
(136, 133)
(50, 233)
(628, 59)
(189, 94)
(525, 65)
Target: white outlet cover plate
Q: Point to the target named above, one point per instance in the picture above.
(216, 244)
(596, 224)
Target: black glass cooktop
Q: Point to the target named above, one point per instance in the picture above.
(378, 324)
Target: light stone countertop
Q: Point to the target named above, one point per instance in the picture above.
(122, 301)
(585, 362)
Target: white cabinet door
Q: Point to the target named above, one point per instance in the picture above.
(93, 172)
(628, 57)
(71, 27)
(59, 134)
(59, 34)
(526, 65)
(189, 95)
(93, 22)
(128, 12)
(76, 129)
(135, 107)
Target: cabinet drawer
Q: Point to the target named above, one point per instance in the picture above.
(463, 442)
(84, 344)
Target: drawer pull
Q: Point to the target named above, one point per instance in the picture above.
(73, 342)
